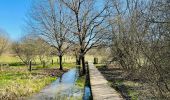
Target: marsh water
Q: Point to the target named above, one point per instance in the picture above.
(63, 88)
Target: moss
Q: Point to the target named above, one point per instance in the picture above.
(81, 82)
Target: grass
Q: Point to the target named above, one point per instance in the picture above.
(12, 59)
(56, 65)
(21, 83)
(9, 59)
(129, 85)
(81, 82)
(65, 65)
(130, 91)
(100, 65)
(17, 82)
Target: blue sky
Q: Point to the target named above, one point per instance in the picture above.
(12, 16)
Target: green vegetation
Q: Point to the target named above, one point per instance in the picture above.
(56, 65)
(20, 83)
(127, 88)
(14, 59)
(65, 65)
(100, 65)
(9, 59)
(81, 82)
(17, 82)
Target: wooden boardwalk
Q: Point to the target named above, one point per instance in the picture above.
(99, 86)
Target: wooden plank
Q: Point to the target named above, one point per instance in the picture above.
(99, 86)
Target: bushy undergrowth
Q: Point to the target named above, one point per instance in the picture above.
(129, 88)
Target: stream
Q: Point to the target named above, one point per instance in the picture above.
(64, 88)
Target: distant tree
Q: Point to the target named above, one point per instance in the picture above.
(3, 41)
(42, 49)
(25, 49)
(75, 51)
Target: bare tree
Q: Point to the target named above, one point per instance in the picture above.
(89, 26)
(25, 49)
(3, 41)
(51, 21)
(42, 49)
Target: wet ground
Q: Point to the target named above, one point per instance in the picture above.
(63, 88)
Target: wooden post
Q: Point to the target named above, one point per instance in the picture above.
(95, 61)
(0, 67)
(52, 62)
(30, 65)
(43, 64)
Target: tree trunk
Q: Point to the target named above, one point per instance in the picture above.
(30, 65)
(60, 58)
(52, 61)
(83, 64)
(78, 60)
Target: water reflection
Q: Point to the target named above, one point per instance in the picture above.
(87, 93)
(62, 89)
